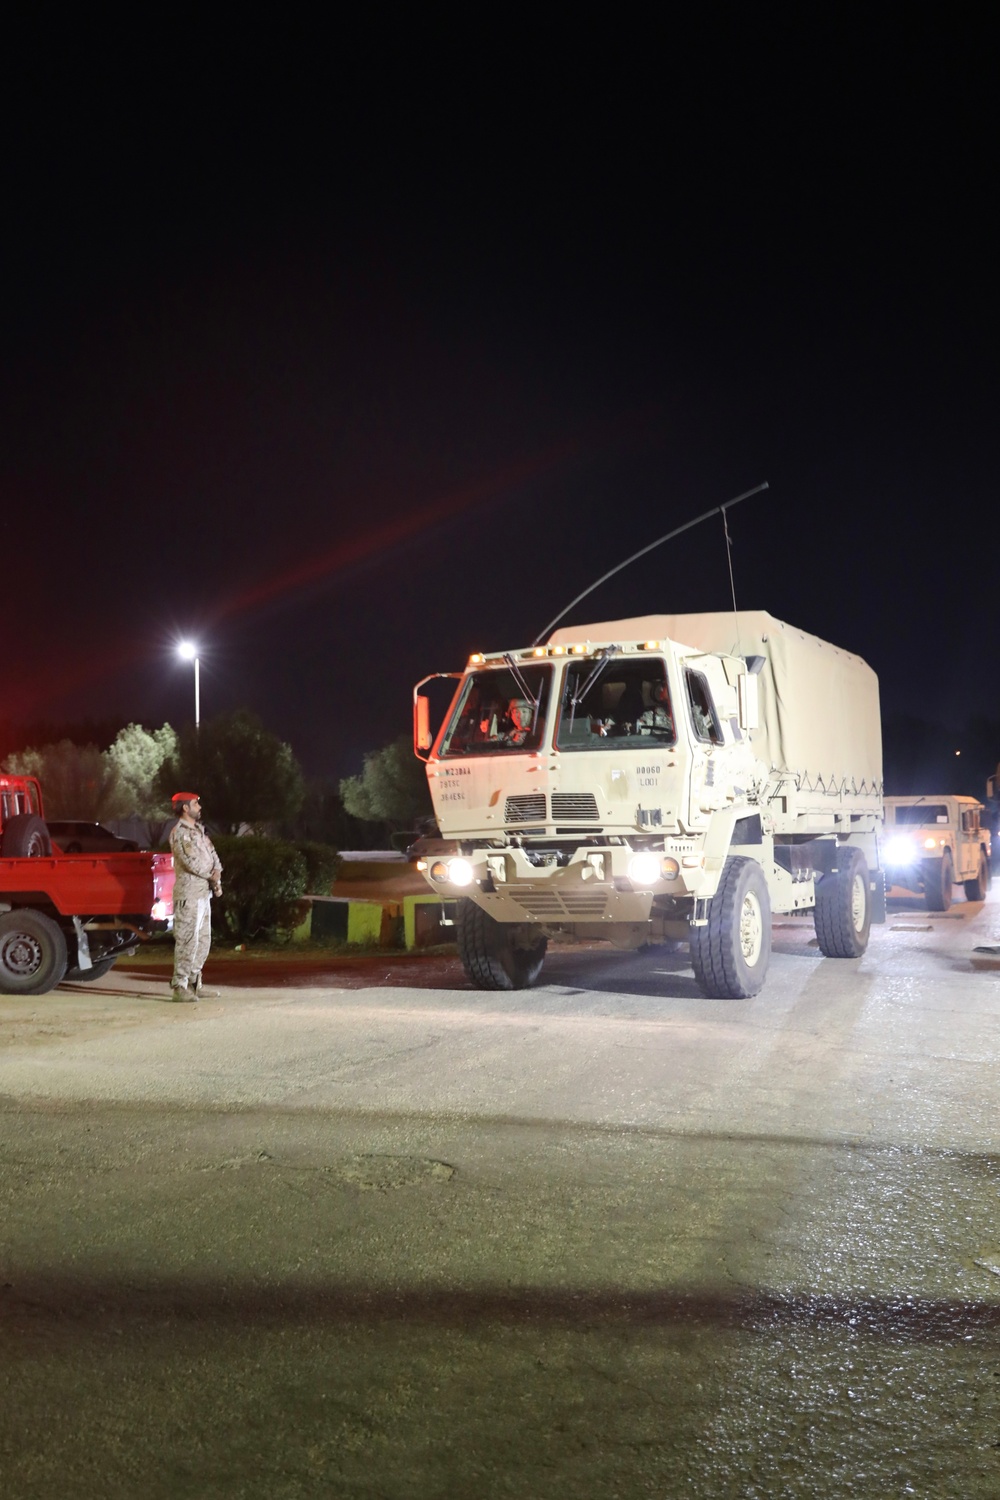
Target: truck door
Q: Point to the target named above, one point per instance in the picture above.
(706, 736)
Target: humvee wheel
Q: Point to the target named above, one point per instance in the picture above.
(843, 914)
(730, 954)
(32, 953)
(939, 878)
(975, 890)
(498, 955)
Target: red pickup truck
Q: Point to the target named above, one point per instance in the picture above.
(69, 916)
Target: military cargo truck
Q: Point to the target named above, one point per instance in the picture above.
(933, 842)
(655, 778)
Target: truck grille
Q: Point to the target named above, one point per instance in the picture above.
(574, 805)
(521, 809)
(582, 906)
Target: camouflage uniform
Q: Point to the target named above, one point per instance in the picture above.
(197, 869)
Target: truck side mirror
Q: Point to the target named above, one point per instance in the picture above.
(422, 739)
(748, 701)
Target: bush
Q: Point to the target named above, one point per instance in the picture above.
(322, 866)
(263, 882)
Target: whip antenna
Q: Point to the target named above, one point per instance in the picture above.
(642, 552)
(732, 581)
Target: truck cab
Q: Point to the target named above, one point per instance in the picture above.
(22, 830)
(931, 843)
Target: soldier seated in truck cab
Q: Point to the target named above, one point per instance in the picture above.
(657, 720)
(628, 703)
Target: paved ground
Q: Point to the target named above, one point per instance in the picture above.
(358, 1230)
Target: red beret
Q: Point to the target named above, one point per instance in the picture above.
(185, 797)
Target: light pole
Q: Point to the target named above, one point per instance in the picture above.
(189, 652)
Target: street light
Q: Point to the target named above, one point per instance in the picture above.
(187, 651)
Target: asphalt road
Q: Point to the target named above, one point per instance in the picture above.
(359, 1230)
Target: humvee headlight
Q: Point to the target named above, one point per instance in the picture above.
(899, 851)
(644, 869)
(439, 870)
(931, 843)
(669, 868)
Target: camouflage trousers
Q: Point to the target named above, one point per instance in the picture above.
(192, 936)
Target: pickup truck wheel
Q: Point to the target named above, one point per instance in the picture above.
(939, 878)
(730, 954)
(25, 837)
(975, 890)
(843, 915)
(32, 953)
(87, 976)
(497, 955)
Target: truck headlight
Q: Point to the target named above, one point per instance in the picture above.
(899, 851)
(454, 871)
(644, 869)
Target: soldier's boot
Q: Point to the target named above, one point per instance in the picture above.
(182, 994)
(201, 992)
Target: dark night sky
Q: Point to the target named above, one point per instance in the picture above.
(349, 353)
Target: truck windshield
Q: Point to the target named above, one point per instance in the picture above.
(499, 711)
(626, 706)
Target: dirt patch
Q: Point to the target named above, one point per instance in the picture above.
(310, 971)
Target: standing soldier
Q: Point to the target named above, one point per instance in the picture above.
(197, 874)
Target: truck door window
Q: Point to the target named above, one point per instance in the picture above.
(627, 705)
(703, 716)
(499, 711)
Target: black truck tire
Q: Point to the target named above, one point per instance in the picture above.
(939, 880)
(843, 915)
(497, 955)
(32, 953)
(25, 836)
(975, 890)
(730, 954)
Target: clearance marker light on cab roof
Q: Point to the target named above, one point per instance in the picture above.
(476, 657)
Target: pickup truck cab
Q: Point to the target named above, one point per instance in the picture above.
(931, 842)
(69, 916)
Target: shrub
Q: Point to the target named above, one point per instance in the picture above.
(263, 882)
(322, 865)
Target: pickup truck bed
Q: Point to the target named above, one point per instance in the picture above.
(70, 915)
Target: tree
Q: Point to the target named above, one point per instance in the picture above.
(392, 788)
(138, 755)
(243, 774)
(78, 781)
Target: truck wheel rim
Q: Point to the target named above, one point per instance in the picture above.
(751, 930)
(20, 955)
(858, 895)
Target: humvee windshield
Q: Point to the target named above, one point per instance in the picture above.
(615, 704)
(499, 711)
(922, 812)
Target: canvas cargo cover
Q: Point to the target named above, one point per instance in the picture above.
(819, 705)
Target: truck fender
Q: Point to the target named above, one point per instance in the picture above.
(731, 825)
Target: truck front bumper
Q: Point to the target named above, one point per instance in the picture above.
(582, 885)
